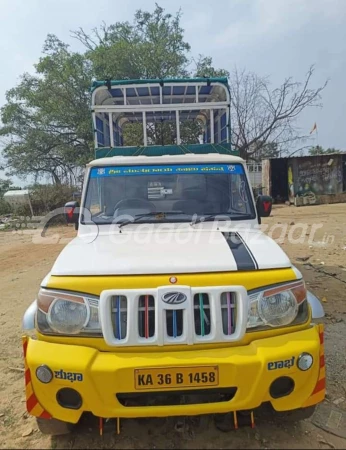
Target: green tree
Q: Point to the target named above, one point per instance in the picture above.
(162, 133)
(263, 150)
(204, 68)
(47, 125)
(5, 185)
(318, 150)
(152, 46)
(47, 115)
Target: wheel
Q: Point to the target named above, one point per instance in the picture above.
(224, 422)
(54, 427)
(296, 415)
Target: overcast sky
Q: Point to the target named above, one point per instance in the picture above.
(271, 37)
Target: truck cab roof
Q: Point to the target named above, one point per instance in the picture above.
(166, 159)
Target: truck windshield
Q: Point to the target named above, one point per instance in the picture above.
(167, 193)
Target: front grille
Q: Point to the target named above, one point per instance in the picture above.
(174, 315)
(188, 397)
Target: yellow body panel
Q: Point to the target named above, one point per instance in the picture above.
(320, 390)
(96, 284)
(106, 371)
(106, 374)
(98, 343)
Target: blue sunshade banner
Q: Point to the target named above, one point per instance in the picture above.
(115, 171)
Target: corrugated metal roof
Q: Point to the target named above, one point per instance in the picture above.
(308, 156)
(16, 193)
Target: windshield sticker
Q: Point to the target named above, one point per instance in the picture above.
(114, 171)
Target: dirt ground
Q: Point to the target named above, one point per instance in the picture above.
(321, 256)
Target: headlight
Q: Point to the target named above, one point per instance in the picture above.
(66, 316)
(67, 313)
(278, 306)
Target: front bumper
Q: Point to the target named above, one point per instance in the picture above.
(104, 375)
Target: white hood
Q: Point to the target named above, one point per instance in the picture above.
(190, 250)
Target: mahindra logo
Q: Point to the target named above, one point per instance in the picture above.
(174, 298)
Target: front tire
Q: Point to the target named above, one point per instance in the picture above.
(54, 427)
(296, 415)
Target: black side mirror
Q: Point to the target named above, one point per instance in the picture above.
(264, 206)
(71, 211)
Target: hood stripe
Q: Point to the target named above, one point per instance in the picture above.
(250, 252)
(241, 252)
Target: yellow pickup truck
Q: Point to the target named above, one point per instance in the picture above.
(170, 300)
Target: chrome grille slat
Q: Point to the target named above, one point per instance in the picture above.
(119, 316)
(202, 314)
(174, 323)
(228, 313)
(146, 316)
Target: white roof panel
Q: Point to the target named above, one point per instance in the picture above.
(166, 159)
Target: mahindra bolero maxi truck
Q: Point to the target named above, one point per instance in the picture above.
(170, 301)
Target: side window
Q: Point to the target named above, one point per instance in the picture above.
(239, 197)
(93, 200)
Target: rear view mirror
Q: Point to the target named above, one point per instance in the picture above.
(264, 205)
(71, 211)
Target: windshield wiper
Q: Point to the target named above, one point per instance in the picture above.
(160, 215)
(213, 216)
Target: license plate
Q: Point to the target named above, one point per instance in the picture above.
(176, 377)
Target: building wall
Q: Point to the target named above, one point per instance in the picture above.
(311, 179)
(255, 174)
(266, 177)
(320, 174)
